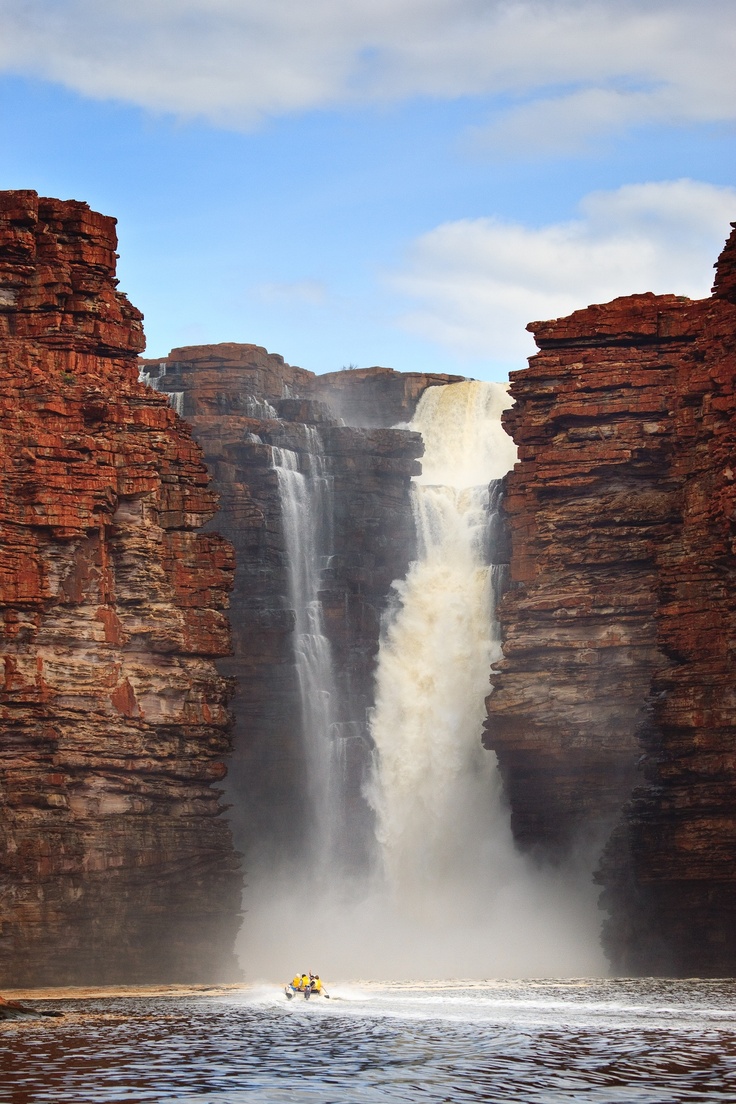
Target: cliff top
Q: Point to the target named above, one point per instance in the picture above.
(57, 268)
(724, 285)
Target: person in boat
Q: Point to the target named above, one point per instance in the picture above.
(318, 987)
(296, 985)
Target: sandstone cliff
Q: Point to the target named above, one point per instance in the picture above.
(243, 403)
(115, 863)
(668, 871)
(619, 622)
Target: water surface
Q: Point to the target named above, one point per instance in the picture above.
(542, 1042)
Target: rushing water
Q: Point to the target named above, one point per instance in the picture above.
(176, 398)
(544, 1042)
(449, 895)
(458, 898)
(436, 790)
(305, 505)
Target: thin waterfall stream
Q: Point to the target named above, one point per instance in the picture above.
(448, 894)
(306, 514)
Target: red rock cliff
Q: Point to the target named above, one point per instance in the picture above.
(116, 865)
(619, 623)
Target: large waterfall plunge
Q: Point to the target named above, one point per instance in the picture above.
(435, 789)
(448, 895)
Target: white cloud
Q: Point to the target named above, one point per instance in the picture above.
(478, 282)
(571, 68)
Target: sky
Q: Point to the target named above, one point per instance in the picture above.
(395, 182)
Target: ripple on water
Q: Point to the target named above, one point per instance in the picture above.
(549, 1042)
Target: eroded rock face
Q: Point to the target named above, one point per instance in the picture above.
(116, 864)
(242, 403)
(589, 499)
(619, 623)
(668, 872)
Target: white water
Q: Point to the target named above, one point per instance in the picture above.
(435, 789)
(306, 513)
(176, 398)
(259, 408)
(450, 895)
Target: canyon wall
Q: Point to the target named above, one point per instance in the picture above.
(243, 403)
(115, 862)
(613, 710)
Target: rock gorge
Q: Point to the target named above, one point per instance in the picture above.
(243, 403)
(126, 698)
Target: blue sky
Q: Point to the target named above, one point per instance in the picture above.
(400, 182)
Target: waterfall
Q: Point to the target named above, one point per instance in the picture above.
(449, 894)
(434, 784)
(461, 899)
(259, 408)
(306, 508)
(176, 398)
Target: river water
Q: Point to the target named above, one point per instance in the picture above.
(547, 1042)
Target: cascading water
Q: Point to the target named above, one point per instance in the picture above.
(176, 398)
(435, 789)
(449, 895)
(307, 516)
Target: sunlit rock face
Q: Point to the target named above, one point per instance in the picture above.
(115, 862)
(247, 407)
(618, 674)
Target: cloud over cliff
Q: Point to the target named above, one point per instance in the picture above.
(477, 282)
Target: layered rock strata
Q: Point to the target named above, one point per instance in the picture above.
(243, 403)
(668, 871)
(618, 625)
(115, 863)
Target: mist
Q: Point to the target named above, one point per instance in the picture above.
(527, 923)
(446, 893)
